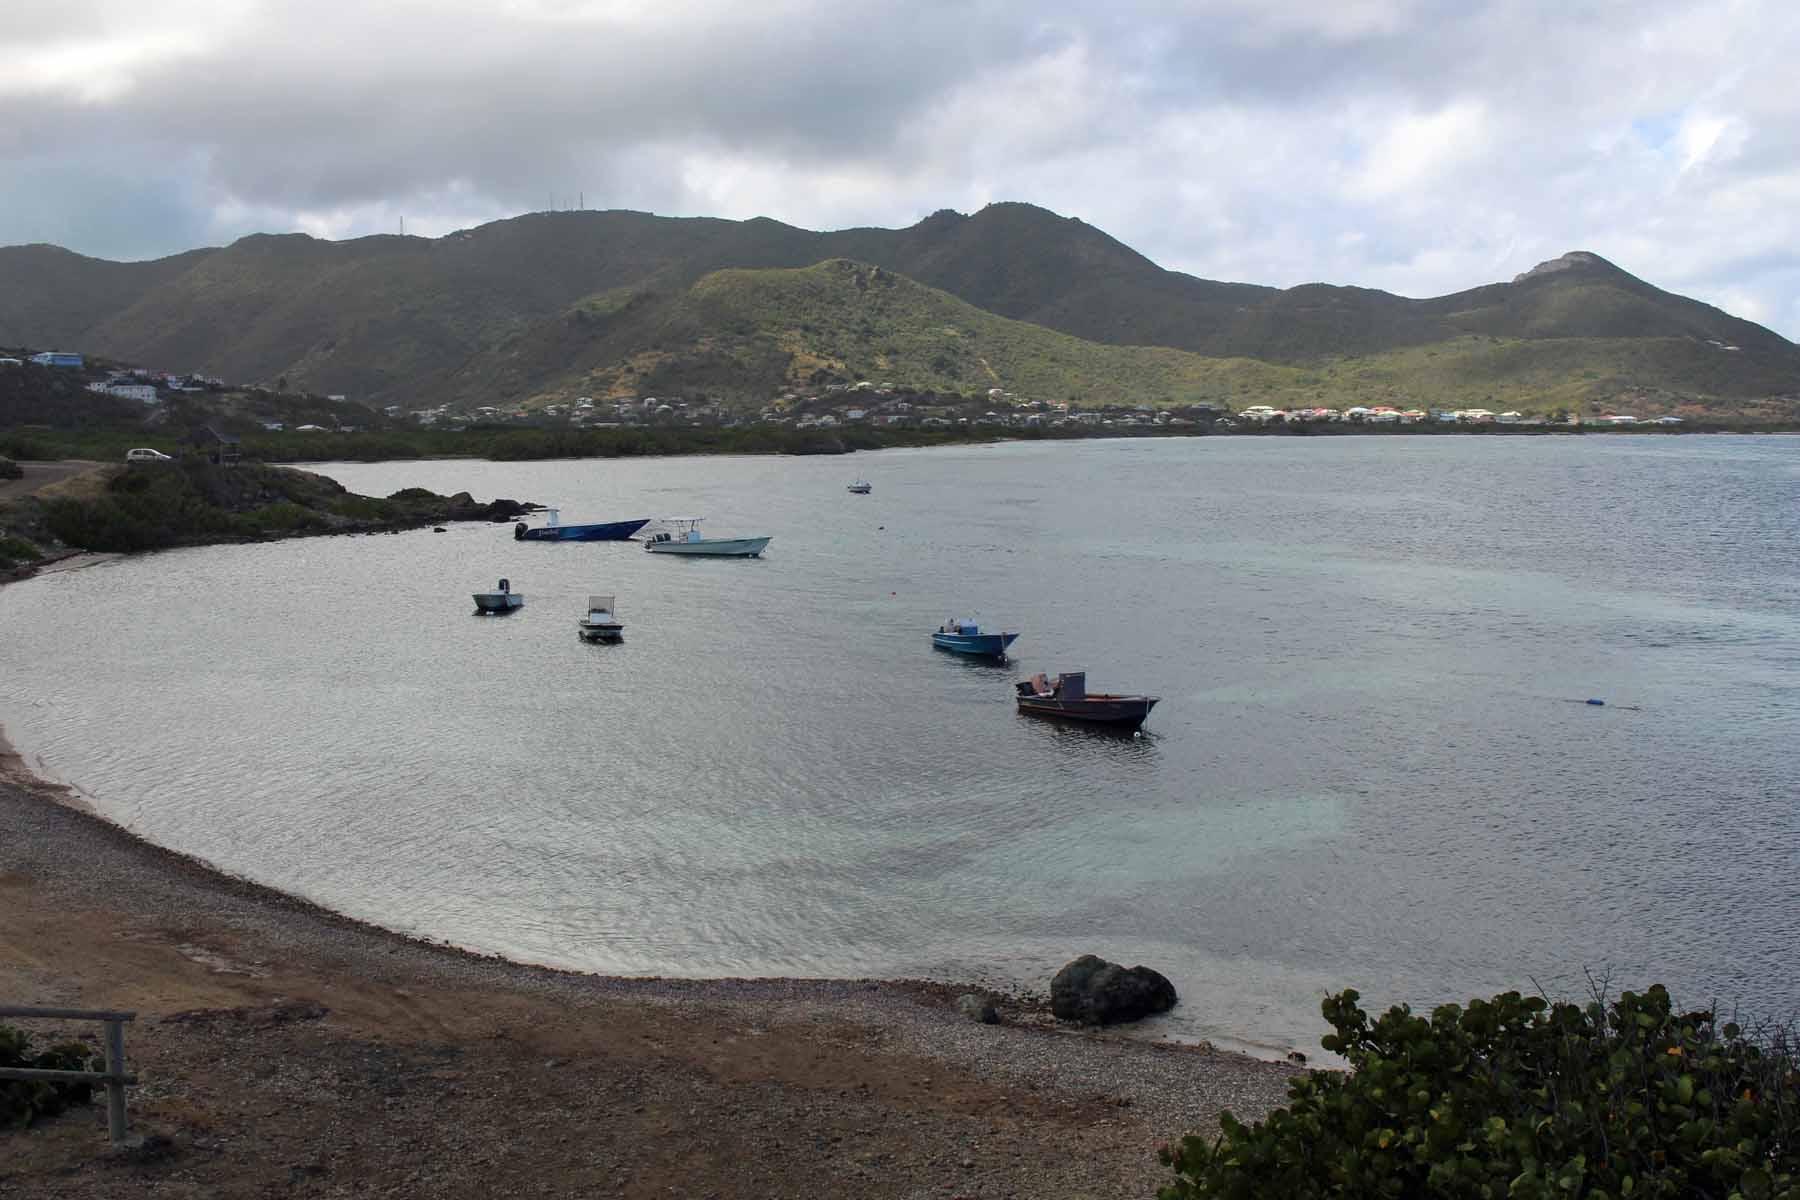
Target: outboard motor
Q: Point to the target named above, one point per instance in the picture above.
(519, 532)
(505, 585)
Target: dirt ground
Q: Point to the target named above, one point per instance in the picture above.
(284, 1051)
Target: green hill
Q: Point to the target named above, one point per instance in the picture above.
(550, 303)
(54, 298)
(750, 334)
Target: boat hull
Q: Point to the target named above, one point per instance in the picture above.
(985, 645)
(712, 547)
(611, 531)
(598, 632)
(497, 602)
(1117, 712)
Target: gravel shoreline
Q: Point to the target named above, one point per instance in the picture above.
(98, 918)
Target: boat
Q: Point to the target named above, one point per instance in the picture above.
(686, 539)
(602, 622)
(965, 637)
(501, 600)
(862, 487)
(1067, 698)
(553, 530)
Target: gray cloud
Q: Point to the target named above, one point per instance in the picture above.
(1421, 146)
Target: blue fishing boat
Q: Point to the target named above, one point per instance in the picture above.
(965, 637)
(553, 530)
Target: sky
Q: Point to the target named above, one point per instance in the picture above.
(1418, 146)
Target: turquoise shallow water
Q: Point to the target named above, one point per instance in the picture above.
(1372, 765)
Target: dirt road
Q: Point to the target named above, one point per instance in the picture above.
(43, 474)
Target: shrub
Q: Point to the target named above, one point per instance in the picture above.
(1517, 1098)
(363, 508)
(281, 517)
(24, 1101)
(15, 550)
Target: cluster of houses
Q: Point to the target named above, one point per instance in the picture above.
(49, 358)
(143, 386)
(133, 384)
(841, 405)
(883, 404)
(1381, 414)
(583, 411)
(1262, 414)
(837, 405)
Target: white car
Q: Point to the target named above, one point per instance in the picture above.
(146, 455)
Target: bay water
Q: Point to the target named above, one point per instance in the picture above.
(1374, 763)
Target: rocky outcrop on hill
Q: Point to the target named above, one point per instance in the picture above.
(464, 507)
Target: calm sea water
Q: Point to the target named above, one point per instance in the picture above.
(1373, 765)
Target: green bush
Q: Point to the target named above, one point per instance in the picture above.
(24, 1101)
(1520, 1099)
(16, 550)
(281, 517)
(363, 508)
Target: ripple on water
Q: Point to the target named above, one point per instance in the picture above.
(1373, 765)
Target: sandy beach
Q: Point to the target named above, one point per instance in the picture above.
(284, 1050)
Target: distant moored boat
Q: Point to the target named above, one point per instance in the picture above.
(862, 487)
(602, 622)
(501, 600)
(1067, 698)
(965, 637)
(553, 530)
(687, 540)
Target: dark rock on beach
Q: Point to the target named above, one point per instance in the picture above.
(1096, 992)
(978, 1008)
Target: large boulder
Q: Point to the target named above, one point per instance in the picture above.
(1096, 992)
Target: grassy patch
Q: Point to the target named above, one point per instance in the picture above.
(15, 551)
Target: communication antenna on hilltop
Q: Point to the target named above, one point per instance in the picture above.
(581, 203)
(402, 226)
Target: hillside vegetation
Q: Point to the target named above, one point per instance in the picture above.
(537, 306)
(193, 502)
(750, 334)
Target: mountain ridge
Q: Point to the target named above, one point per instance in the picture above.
(488, 310)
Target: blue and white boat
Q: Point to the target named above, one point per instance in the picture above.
(965, 637)
(553, 530)
(686, 539)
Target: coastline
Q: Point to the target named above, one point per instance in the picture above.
(242, 990)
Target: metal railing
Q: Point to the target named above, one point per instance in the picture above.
(114, 1077)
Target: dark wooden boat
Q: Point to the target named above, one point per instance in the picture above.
(1067, 698)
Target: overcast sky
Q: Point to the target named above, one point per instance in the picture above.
(1420, 146)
